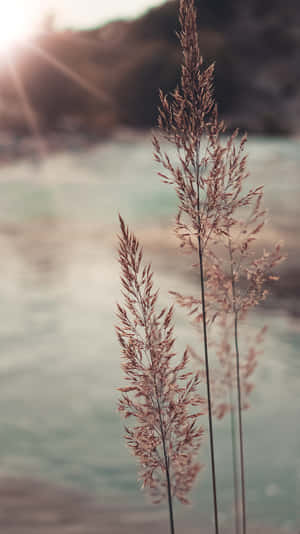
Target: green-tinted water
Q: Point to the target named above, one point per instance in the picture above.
(59, 365)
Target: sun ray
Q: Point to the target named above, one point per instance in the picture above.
(27, 108)
(69, 73)
(14, 26)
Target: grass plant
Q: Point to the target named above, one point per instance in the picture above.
(162, 396)
(218, 221)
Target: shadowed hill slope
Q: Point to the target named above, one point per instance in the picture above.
(96, 79)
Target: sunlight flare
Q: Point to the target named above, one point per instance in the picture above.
(27, 109)
(14, 26)
(71, 74)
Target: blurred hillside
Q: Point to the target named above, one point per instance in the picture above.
(113, 73)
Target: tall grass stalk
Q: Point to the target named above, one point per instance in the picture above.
(218, 220)
(162, 396)
(208, 177)
(239, 396)
(256, 270)
(235, 473)
(240, 424)
(207, 371)
(190, 122)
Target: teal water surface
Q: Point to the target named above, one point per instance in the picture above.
(60, 362)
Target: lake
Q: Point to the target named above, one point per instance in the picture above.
(60, 361)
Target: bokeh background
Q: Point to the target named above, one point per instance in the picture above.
(78, 98)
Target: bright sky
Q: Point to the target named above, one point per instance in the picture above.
(75, 13)
(20, 18)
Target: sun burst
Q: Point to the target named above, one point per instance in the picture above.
(14, 26)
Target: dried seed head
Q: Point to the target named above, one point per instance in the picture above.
(161, 398)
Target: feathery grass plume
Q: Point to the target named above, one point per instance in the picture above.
(214, 212)
(226, 379)
(242, 289)
(162, 396)
(208, 177)
(235, 282)
(240, 284)
(189, 120)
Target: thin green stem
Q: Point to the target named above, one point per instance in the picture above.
(234, 464)
(166, 460)
(161, 423)
(211, 435)
(240, 422)
(239, 394)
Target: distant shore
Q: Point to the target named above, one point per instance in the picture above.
(158, 239)
(14, 147)
(34, 507)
